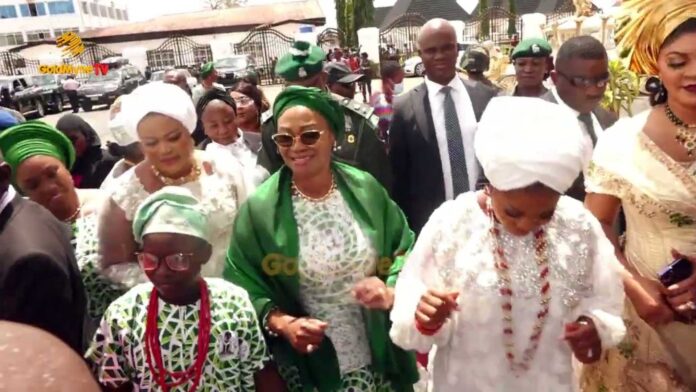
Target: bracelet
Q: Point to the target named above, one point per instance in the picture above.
(427, 331)
(266, 328)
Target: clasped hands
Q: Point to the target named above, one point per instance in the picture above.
(436, 306)
(305, 334)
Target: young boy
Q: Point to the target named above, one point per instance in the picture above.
(151, 338)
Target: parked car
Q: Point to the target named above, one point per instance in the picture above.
(17, 94)
(104, 89)
(231, 69)
(51, 89)
(158, 76)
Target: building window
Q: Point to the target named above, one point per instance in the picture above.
(159, 59)
(32, 9)
(38, 35)
(8, 11)
(61, 7)
(93, 9)
(58, 32)
(112, 12)
(125, 15)
(85, 7)
(119, 14)
(11, 39)
(103, 11)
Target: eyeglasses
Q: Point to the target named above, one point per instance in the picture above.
(177, 262)
(583, 82)
(308, 138)
(243, 101)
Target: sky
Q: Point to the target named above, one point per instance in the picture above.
(139, 10)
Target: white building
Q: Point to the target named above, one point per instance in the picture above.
(25, 21)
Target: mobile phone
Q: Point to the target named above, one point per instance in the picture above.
(675, 272)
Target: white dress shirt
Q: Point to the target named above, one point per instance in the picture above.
(588, 148)
(467, 125)
(7, 198)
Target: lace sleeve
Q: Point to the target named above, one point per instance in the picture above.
(606, 174)
(430, 259)
(604, 304)
(127, 192)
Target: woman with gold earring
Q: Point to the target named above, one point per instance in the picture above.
(647, 166)
(162, 117)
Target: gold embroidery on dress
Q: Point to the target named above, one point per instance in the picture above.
(645, 205)
(672, 166)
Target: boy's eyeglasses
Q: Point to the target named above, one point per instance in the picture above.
(582, 82)
(308, 138)
(243, 101)
(177, 262)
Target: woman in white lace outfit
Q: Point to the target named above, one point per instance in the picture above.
(43, 175)
(646, 166)
(510, 283)
(164, 117)
(319, 247)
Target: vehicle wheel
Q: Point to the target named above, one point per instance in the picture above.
(59, 104)
(40, 109)
(87, 106)
(420, 70)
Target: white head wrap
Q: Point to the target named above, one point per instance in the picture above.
(119, 127)
(522, 141)
(162, 98)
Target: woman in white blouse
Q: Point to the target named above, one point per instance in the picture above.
(510, 283)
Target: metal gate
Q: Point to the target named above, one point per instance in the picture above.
(265, 45)
(179, 52)
(398, 40)
(330, 38)
(495, 24)
(15, 64)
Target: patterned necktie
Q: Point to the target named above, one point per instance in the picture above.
(586, 119)
(455, 145)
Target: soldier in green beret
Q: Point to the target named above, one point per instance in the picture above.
(359, 147)
(208, 81)
(531, 59)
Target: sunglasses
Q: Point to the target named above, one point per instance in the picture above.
(308, 138)
(177, 262)
(582, 82)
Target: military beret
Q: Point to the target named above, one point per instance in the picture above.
(303, 60)
(207, 69)
(532, 47)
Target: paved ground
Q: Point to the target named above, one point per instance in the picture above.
(99, 118)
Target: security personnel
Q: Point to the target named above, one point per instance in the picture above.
(475, 63)
(360, 147)
(531, 60)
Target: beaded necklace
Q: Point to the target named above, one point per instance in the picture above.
(503, 269)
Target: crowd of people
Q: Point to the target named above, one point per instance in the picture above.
(446, 238)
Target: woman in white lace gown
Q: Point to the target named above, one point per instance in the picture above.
(164, 117)
(510, 283)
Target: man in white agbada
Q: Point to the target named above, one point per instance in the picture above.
(511, 282)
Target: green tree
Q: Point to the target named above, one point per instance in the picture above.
(351, 16)
(484, 16)
(512, 20)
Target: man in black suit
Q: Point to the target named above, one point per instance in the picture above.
(581, 75)
(432, 129)
(40, 283)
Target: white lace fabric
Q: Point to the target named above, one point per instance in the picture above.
(220, 194)
(454, 253)
(335, 254)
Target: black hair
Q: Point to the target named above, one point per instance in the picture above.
(212, 95)
(583, 47)
(389, 69)
(250, 90)
(658, 93)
